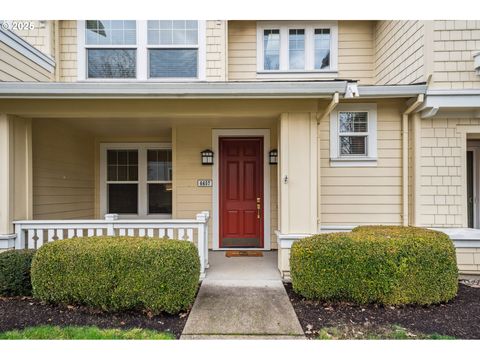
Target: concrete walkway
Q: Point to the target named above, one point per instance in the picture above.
(242, 298)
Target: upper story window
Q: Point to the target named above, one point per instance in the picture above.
(296, 47)
(353, 135)
(168, 50)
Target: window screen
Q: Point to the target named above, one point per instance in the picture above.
(353, 132)
(175, 63)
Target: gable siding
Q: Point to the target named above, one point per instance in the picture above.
(455, 42)
(16, 67)
(399, 52)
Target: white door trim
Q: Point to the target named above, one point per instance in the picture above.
(216, 134)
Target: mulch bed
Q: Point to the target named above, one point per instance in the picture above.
(22, 312)
(459, 318)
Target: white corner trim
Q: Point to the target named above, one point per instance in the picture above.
(341, 161)
(216, 134)
(309, 27)
(30, 52)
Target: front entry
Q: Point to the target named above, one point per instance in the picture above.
(241, 192)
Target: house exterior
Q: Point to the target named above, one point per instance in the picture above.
(239, 134)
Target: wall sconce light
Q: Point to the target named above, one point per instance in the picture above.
(207, 157)
(273, 157)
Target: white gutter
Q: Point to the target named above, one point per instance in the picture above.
(179, 90)
(405, 114)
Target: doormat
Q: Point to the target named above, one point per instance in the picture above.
(238, 253)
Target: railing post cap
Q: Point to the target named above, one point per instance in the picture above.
(111, 217)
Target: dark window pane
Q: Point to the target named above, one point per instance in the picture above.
(179, 63)
(122, 157)
(133, 173)
(132, 157)
(159, 198)
(111, 63)
(353, 145)
(122, 173)
(122, 198)
(112, 173)
(112, 157)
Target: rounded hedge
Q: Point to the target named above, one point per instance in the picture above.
(15, 272)
(382, 264)
(118, 273)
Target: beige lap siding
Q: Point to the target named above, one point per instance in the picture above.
(188, 141)
(468, 260)
(441, 172)
(63, 171)
(16, 67)
(365, 195)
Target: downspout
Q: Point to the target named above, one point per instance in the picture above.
(405, 172)
(57, 50)
(333, 104)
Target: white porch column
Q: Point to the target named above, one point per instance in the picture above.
(298, 183)
(15, 175)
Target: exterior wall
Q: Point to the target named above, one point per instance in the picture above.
(188, 142)
(216, 50)
(63, 171)
(399, 52)
(16, 67)
(355, 50)
(67, 63)
(468, 260)
(41, 36)
(441, 196)
(455, 42)
(365, 195)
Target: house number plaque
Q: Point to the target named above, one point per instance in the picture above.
(204, 183)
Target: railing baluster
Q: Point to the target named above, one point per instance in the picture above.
(31, 234)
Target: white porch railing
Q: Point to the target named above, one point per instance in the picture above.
(31, 234)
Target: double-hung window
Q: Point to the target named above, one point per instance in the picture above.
(172, 49)
(136, 180)
(353, 135)
(156, 50)
(296, 47)
(111, 49)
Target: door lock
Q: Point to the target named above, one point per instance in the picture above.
(258, 208)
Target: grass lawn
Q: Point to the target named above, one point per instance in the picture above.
(393, 333)
(48, 332)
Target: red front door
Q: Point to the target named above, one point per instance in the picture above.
(241, 192)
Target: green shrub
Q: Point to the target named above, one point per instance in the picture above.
(15, 272)
(118, 273)
(383, 264)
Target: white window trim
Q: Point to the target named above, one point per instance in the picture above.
(142, 178)
(142, 55)
(309, 70)
(336, 160)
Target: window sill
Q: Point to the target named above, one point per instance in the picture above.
(319, 74)
(353, 162)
